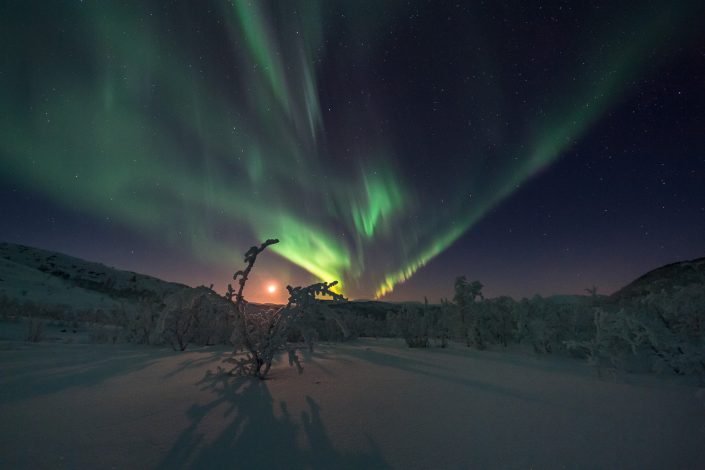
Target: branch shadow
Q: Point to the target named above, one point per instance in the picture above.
(254, 437)
(210, 356)
(44, 373)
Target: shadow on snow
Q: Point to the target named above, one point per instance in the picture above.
(254, 437)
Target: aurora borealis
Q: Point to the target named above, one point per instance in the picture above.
(369, 137)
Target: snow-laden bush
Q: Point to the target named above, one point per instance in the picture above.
(366, 326)
(495, 320)
(543, 323)
(547, 325)
(676, 325)
(466, 295)
(421, 326)
(411, 324)
(666, 328)
(262, 335)
(142, 322)
(441, 323)
(616, 335)
(192, 316)
(312, 318)
(479, 321)
(537, 324)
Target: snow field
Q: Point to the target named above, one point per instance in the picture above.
(367, 404)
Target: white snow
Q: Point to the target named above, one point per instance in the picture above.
(55, 279)
(368, 404)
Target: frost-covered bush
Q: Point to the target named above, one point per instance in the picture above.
(260, 336)
(496, 320)
(441, 323)
(479, 321)
(192, 316)
(178, 323)
(676, 325)
(666, 328)
(412, 324)
(421, 326)
(682, 312)
(312, 318)
(142, 322)
(357, 325)
(466, 295)
(616, 335)
(547, 325)
(360, 319)
(536, 324)
(213, 325)
(264, 334)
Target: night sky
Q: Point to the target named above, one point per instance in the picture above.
(540, 147)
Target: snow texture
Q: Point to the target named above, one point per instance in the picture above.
(366, 404)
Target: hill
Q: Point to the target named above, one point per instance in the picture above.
(669, 279)
(34, 275)
(55, 279)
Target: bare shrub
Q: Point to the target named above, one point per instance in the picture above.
(141, 323)
(466, 295)
(616, 335)
(548, 325)
(421, 326)
(411, 324)
(195, 315)
(262, 335)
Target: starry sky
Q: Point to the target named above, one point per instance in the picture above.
(540, 147)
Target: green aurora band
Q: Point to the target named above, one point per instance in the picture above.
(203, 126)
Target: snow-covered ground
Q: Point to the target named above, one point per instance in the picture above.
(368, 404)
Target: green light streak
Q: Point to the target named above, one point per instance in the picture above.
(213, 138)
(261, 46)
(597, 93)
(308, 247)
(383, 197)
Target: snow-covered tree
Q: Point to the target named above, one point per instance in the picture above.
(466, 294)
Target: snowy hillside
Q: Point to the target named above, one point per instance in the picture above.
(49, 278)
(669, 279)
